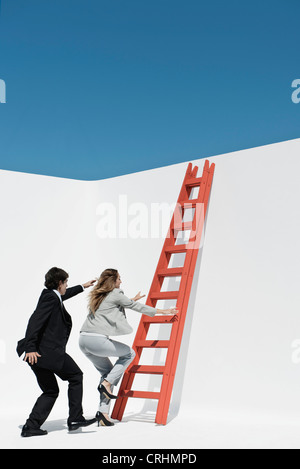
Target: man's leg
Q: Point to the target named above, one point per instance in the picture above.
(43, 406)
(72, 373)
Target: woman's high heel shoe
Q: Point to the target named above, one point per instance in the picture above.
(102, 389)
(102, 420)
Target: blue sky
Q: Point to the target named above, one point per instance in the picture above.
(97, 89)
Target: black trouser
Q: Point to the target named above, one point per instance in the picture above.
(48, 384)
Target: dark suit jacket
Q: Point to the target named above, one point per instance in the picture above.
(49, 329)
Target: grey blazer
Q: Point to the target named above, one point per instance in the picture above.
(110, 318)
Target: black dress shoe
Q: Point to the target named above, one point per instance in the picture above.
(27, 431)
(102, 389)
(103, 421)
(81, 423)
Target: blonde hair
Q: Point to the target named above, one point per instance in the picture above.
(105, 284)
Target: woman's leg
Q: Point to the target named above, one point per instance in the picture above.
(125, 353)
(97, 349)
(91, 349)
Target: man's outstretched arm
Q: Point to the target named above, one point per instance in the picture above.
(72, 291)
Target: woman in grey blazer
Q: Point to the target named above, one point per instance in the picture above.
(107, 318)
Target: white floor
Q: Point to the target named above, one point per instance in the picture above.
(207, 431)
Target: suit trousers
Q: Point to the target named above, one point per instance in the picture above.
(97, 348)
(47, 381)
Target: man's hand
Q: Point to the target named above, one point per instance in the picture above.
(32, 357)
(89, 284)
(138, 296)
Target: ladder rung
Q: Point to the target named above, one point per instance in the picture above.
(164, 295)
(152, 343)
(177, 248)
(161, 319)
(172, 272)
(190, 203)
(187, 225)
(193, 182)
(147, 369)
(142, 394)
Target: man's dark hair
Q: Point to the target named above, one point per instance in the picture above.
(54, 276)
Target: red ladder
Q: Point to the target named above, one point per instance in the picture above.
(182, 296)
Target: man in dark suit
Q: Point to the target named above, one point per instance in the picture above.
(44, 345)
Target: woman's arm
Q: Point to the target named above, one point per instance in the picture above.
(149, 310)
(122, 300)
(137, 297)
(167, 311)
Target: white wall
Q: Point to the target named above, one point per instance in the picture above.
(245, 296)
(248, 295)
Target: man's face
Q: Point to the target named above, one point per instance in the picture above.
(62, 287)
